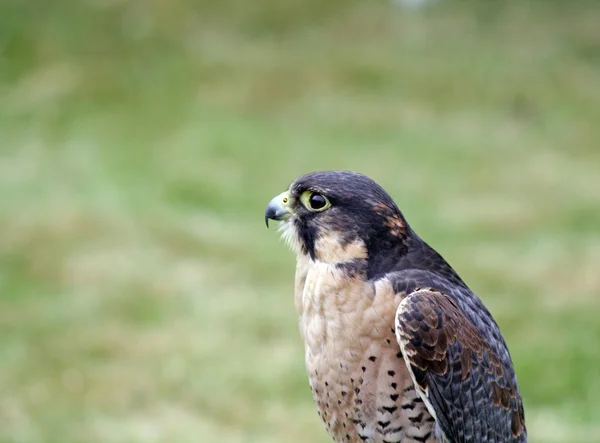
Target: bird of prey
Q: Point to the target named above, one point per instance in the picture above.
(397, 347)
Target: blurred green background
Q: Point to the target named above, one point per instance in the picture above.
(141, 297)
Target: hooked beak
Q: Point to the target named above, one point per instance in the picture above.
(279, 208)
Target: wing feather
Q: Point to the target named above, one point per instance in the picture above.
(461, 374)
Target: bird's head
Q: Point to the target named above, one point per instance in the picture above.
(340, 216)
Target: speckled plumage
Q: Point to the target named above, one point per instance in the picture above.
(398, 349)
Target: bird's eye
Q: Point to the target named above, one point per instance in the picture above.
(314, 201)
(317, 202)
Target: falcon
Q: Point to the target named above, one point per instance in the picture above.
(397, 347)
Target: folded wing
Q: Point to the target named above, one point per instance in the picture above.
(460, 373)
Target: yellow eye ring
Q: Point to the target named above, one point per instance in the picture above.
(315, 202)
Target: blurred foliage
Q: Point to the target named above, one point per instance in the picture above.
(141, 298)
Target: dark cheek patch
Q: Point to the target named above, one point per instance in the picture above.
(307, 234)
(314, 226)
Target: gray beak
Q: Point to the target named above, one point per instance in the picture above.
(278, 208)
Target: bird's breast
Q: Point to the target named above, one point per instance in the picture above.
(357, 374)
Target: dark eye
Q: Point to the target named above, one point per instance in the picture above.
(314, 201)
(317, 201)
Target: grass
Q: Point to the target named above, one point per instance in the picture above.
(142, 299)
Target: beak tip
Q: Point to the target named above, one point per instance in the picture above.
(267, 221)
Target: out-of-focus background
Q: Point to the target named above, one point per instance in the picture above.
(142, 299)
